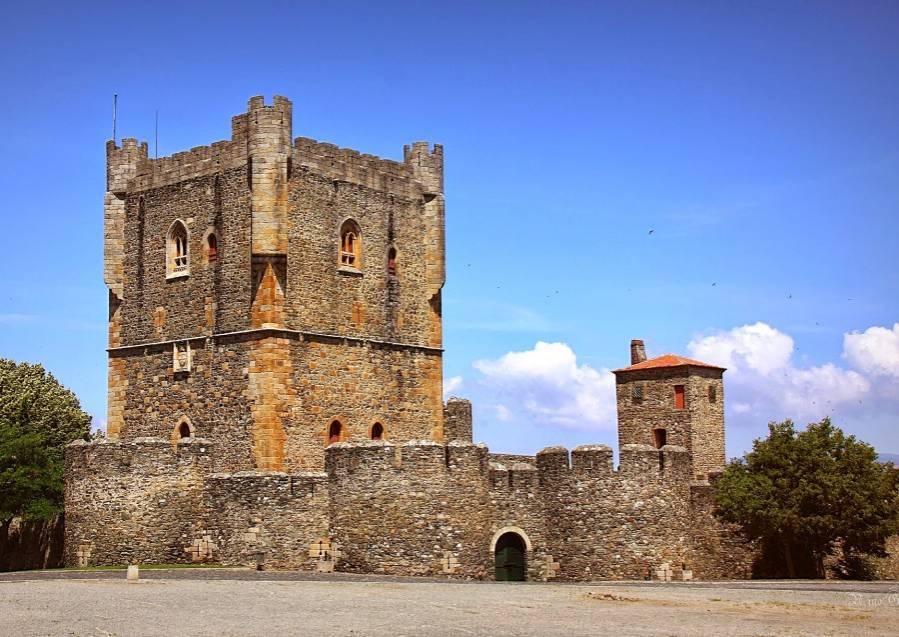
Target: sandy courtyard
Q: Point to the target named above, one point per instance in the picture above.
(226, 603)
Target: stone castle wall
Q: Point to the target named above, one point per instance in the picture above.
(269, 519)
(429, 509)
(140, 500)
(419, 508)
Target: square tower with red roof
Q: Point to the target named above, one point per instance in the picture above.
(673, 400)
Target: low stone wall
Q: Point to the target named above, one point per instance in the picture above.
(31, 545)
(622, 524)
(719, 550)
(429, 509)
(265, 519)
(138, 500)
(420, 508)
(416, 509)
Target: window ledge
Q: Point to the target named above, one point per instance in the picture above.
(349, 270)
(172, 276)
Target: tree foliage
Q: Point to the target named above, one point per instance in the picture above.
(808, 495)
(34, 399)
(38, 417)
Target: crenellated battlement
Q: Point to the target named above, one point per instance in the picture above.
(156, 453)
(553, 464)
(123, 163)
(131, 169)
(343, 459)
(414, 176)
(426, 164)
(635, 462)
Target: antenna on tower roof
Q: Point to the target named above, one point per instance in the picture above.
(156, 135)
(115, 104)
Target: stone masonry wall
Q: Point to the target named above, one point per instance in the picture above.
(216, 295)
(719, 550)
(268, 519)
(420, 508)
(430, 509)
(139, 500)
(315, 382)
(416, 509)
(621, 524)
(457, 423)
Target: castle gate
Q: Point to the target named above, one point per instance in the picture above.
(510, 558)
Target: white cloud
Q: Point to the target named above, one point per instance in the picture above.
(758, 347)
(450, 385)
(764, 381)
(874, 351)
(548, 386)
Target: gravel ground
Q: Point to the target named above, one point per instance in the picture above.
(220, 602)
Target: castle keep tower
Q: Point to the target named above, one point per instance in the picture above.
(672, 400)
(273, 294)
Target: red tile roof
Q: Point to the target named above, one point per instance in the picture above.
(668, 360)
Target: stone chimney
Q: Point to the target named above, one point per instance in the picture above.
(638, 352)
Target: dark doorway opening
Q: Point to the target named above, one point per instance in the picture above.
(511, 558)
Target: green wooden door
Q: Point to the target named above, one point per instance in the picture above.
(510, 558)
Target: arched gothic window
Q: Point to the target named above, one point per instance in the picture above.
(183, 430)
(377, 431)
(350, 244)
(177, 250)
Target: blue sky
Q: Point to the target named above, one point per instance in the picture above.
(759, 144)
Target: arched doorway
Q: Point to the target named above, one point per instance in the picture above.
(510, 558)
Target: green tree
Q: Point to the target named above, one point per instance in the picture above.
(807, 495)
(38, 417)
(34, 399)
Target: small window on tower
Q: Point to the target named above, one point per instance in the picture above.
(659, 438)
(377, 431)
(335, 432)
(212, 248)
(679, 397)
(391, 262)
(637, 394)
(350, 244)
(713, 394)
